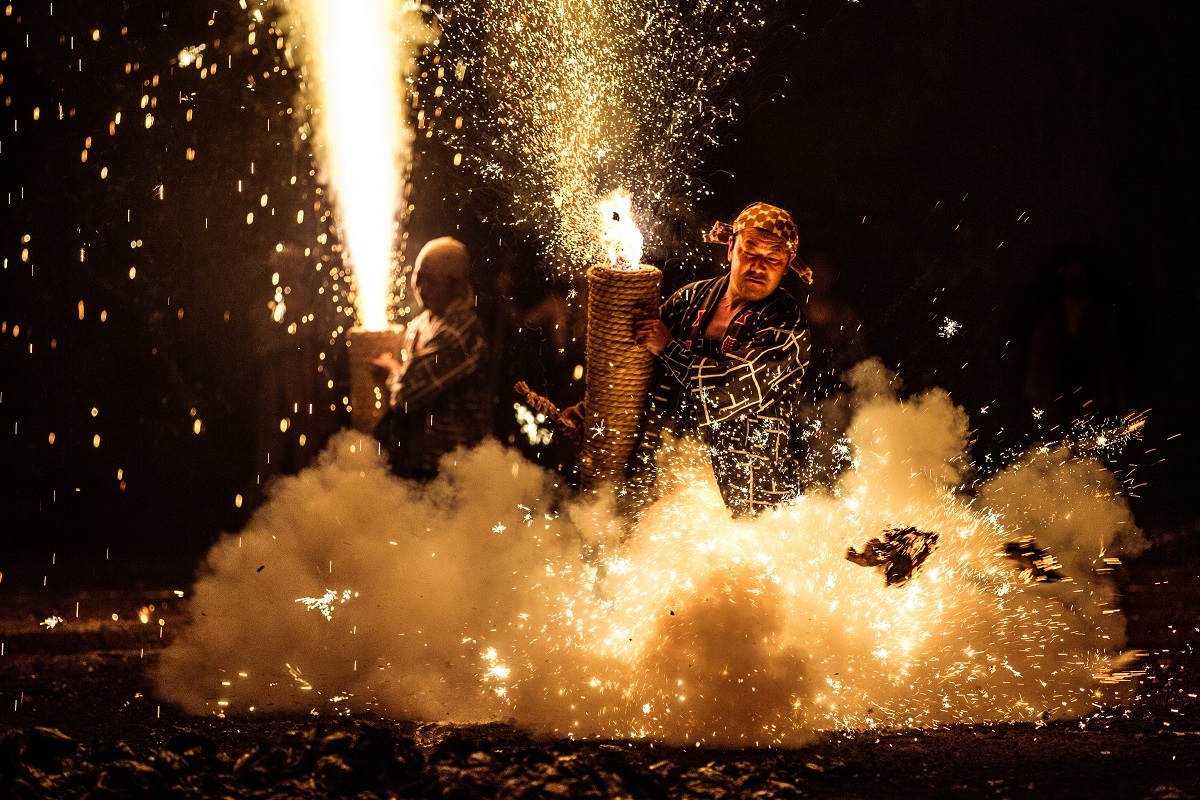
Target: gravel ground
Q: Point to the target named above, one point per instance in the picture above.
(78, 718)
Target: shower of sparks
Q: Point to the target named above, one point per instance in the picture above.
(576, 98)
(327, 601)
(495, 672)
(191, 56)
(1107, 437)
(220, 184)
(51, 622)
(355, 58)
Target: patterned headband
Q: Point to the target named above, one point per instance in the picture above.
(768, 218)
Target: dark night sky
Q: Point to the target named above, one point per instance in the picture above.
(945, 157)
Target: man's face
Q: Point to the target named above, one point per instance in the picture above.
(757, 262)
(435, 288)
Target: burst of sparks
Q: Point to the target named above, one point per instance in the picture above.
(1106, 437)
(587, 97)
(327, 601)
(533, 425)
(948, 328)
(355, 57)
(192, 56)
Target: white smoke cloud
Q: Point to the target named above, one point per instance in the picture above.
(491, 594)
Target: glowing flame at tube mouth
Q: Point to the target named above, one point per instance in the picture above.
(619, 234)
(355, 57)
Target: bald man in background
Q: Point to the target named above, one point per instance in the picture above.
(437, 398)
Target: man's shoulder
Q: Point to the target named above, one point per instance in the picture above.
(464, 326)
(462, 318)
(781, 309)
(781, 297)
(696, 288)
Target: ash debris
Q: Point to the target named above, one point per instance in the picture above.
(898, 551)
(368, 761)
(1035, 563)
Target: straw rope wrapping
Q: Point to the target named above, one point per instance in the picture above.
(542, 405)
(619, 372)
(369, 398)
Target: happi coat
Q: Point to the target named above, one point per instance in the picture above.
(438, 400)
(738, 394)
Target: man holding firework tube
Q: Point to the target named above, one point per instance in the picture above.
(731, 352)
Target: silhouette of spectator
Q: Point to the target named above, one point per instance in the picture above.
(1075, 369)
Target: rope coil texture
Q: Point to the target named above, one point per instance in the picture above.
(619, 372)
(368, 399)
(542, 405)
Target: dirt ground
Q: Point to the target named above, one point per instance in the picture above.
(88, 679)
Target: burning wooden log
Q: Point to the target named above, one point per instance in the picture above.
(368, 395)
(618, 371)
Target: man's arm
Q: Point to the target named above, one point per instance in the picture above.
(453, 354)
(753, 376)
(655, 334)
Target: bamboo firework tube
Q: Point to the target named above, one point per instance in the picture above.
(368, 396)
(618, 370)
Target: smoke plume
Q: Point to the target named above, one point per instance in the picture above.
(492, 594)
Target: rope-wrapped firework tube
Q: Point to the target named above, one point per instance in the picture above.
(368, 396)
(619, 372)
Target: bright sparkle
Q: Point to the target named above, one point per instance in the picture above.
(354, 57)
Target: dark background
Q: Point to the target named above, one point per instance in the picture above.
(945, 158)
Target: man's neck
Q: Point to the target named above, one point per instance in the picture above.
(732, 300)
(727, 308)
